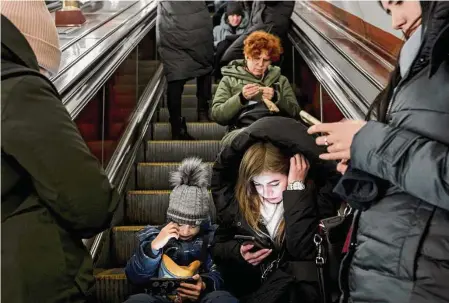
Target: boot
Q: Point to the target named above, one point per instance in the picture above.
(203, 111)
(179, 129)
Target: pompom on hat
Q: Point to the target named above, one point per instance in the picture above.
(35, 22)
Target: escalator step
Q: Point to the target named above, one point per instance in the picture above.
(176, 151)
(190, 89)
(124, 241)
(112, 286)
(199, 130)
(147, 207)
(150, 207)
(154, 176)
(190, 114)
(189, 101)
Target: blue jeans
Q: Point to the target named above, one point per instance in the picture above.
(213, 297)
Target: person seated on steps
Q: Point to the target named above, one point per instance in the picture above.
(270, 184)
(186, 47)
(233, 23)
(184, 240)
(252, 88)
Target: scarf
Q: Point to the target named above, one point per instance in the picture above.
(272, 215)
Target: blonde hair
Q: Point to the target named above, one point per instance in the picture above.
(260, 157)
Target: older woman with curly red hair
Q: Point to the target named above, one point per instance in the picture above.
(253, 88)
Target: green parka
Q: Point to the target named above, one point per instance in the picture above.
(227, 103)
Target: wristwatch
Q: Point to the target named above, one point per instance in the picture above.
(296, 185)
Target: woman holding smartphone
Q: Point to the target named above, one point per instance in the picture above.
(266, 185)
(400, 239)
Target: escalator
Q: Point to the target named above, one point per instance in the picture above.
(118, 102)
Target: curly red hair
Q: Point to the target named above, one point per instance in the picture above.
(260, 40)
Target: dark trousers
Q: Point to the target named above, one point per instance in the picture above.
(176, 88)
(213, 297)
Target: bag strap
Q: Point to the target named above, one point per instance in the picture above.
(321, 257)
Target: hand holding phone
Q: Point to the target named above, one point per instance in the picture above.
(258, 243)
(254, 258)
(308, 118)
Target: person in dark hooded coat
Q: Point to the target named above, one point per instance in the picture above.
(302, 207)
(398, 174)
(269, 16)
(186, 47)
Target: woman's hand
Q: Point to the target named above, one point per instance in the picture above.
(299, 166)
(342, 166)
(192, 291)
(256, 257)
(338, 139)
(267, 93)
(250, 90)
(171, 230)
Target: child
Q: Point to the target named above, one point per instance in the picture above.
(184, 240)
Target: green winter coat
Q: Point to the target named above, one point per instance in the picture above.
(227, 103)
(54, 192)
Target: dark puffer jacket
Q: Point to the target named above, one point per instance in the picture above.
(185, 39)
(302, 209)
(270, 16)
(402, 243)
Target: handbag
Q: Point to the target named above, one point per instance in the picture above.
(330, 241)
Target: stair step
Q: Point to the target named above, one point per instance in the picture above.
(124, 242)
(150, 207)
(190, 89)
(112, 286)
(176, 151)
(155, 176)
(199, 130)
(190, 114)
(189, 101)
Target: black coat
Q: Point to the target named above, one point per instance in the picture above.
(270, 16)
(185, 39)
(302, 209)
(402, 241)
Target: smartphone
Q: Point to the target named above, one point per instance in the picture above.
(257, 242)
(165, 286)
(308, 118)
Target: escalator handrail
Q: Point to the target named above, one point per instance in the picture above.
(353, 100)
(68, 81)
(86, 89)
(125, 154)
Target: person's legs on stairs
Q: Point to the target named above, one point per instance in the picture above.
(174, 98)
(204, 96)
(219, 297)
(145, 298)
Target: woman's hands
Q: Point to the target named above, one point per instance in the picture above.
(250, 90)
(338, 139)
(254, 258)
(299, 167)
(171, 230)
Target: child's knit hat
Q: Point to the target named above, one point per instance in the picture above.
(189, 200)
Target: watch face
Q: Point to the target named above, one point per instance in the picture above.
(298, 185)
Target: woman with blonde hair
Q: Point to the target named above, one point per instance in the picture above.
(253, 88)
(262, 188)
